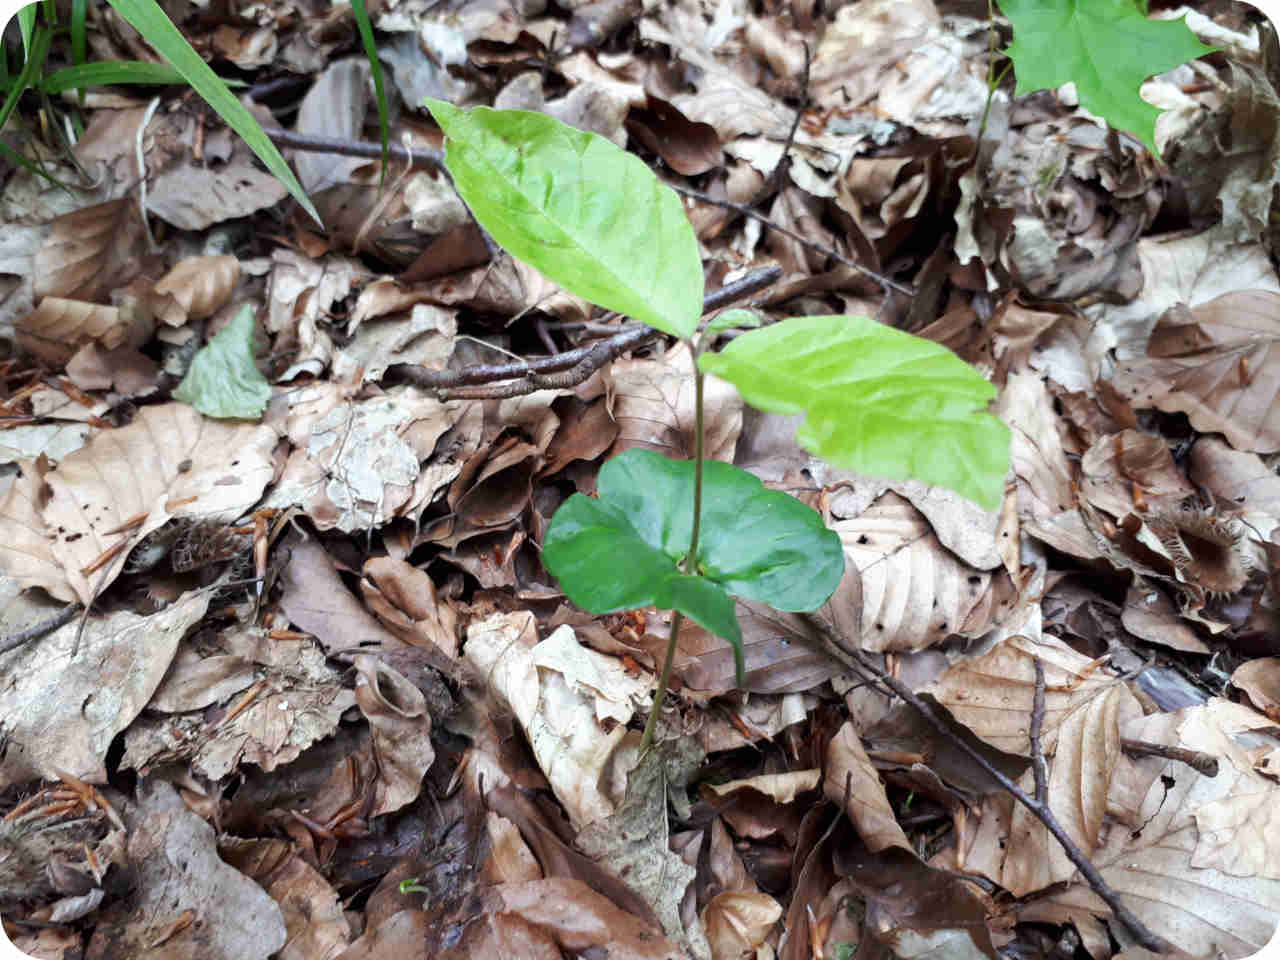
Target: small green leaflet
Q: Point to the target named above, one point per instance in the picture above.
(223, 381)
(587, 214)
(1106, 46)
(876, 400)
(624, 550)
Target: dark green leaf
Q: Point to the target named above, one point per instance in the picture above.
(875, 400)
(224, 381)
(590, 216)
(624, 549)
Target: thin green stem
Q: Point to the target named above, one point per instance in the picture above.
(676, 620)
(691, 558)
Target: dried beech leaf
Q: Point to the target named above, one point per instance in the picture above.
(397, 714)
(1219, 364)
(853, 782)
(169, 462)
(196, 288)
(58, 326)
(26, 554)
(90, 252)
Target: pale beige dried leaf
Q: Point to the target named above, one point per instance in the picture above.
(738, 921)
(1079, 778)
(1204, 891)
(992, 695)
(26, 554)
(170, 461)
(779, 787)
(313, 916)
(575, 751)
(1117, 463)
(196, 288)
(334, 107)
(90, 252)
(195, 682)
(176, 870)
(852, 782)
(194, 196)
(902, 590)
(511, 860)
(1260, 679)
(404, 599)
(397, 714)
(1219, 364)
(57, 327)
(65, 711)
(1238, 478)
(654, 408)
(1150, 614)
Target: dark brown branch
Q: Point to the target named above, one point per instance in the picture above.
(424, 156)
(1205, 764)
(561, 370)
(1041, 811)
(43, 629)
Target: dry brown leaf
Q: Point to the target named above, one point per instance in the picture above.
(90, 252)
(1260, 679)
(852, 782)
(184, 903)
(1238, 478)
(688, 148)
(654, 408)
(57, 327)
(334, 107)
(26, 554)
(404, 599)
(902, 590)
(1219, 363)
(992, 695)
(169, 462)
(67, 710)
(317, 928)
(738, 921)
(196, 288)
(397, 714)
(1120, 467)
(192, 195)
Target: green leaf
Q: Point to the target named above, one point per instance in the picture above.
(1108, 47)
(876, 400)
(149, 20)
(380, 94)
(110, 71)
(223, 381)
(588, 215)
(624, 549)
(735, 319)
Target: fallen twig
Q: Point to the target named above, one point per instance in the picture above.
(42, 629)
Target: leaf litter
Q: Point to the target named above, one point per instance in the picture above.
(325, 699)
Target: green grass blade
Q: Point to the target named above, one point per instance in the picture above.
(37, 52)
(79, 41)
(111, 71)
(149, 20)
(13, 156)
(371, 51)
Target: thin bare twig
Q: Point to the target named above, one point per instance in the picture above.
(562, 370)
(1137, 929)
(886, 282)
(422, 156)
(1039, 766)
(42, 629)
(1205, 764)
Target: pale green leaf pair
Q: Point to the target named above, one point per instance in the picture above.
(224, 381)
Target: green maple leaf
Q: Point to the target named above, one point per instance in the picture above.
(1107, 47)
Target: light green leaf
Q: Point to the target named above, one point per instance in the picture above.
(737, 318)
(150, 21)
(587, 214)
(876, 400)
(111, 71)
(624, 549)
(224, 382)
(1106, 46)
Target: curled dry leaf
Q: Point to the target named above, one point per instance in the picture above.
(397, 714)
(1219, 363)
(851, 781)
(738, 921)
(196, 288)
(90, 252)
(57, 327)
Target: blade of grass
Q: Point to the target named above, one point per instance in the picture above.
(37, 52)
(371, 51)
(27, 26)
(149, 20)
(13, 156)
(79, 42)
(111, 71)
